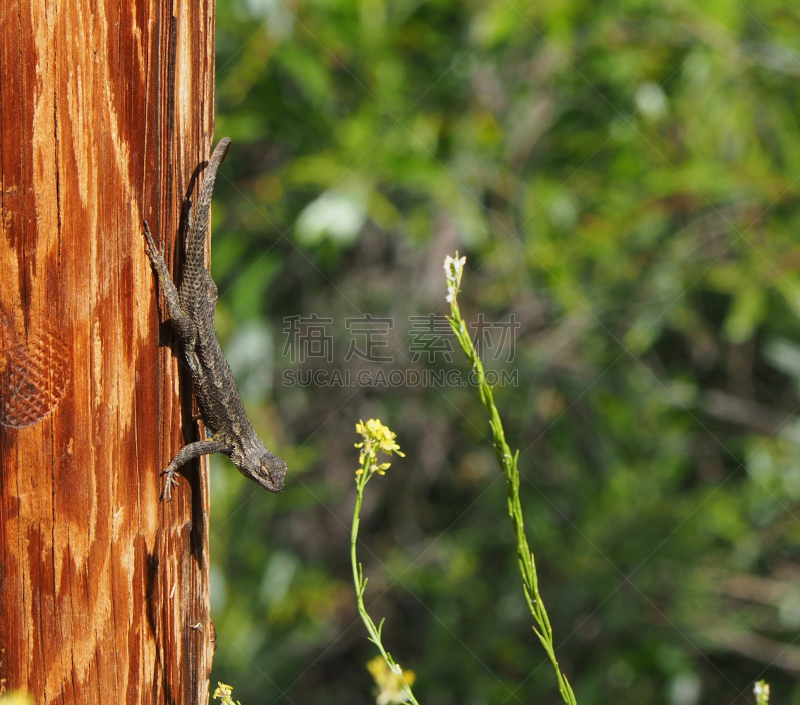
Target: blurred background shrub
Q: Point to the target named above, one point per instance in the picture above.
(624, 179)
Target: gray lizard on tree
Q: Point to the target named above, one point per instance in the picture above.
(192, 312)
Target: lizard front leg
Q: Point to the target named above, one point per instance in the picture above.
(187, 453)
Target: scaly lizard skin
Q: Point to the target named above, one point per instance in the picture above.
(192, 312)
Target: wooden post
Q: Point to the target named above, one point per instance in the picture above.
(106, 111)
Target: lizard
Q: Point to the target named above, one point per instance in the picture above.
(191, 309)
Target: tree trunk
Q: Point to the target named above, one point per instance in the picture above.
(106, 111)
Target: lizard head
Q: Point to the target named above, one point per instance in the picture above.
(271, 472)
(261, 466)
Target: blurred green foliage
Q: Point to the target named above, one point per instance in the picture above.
(624, 179)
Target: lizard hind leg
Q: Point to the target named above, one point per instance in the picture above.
(186, 328)
(184, 455)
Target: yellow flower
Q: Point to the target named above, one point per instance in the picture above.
(225, 693)
(377, 437)
(16, 697)
(390, 681)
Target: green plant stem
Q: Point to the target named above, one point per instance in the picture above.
(361, 583)
(508, 464)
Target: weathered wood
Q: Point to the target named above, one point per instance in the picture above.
(106, 110)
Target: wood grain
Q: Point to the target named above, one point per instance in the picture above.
(106, 111)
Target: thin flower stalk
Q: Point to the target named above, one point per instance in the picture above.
(454, 269)
(376, 438)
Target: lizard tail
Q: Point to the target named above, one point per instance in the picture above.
(198, 228)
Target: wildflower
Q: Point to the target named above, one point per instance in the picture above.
(761, 691)
(377, 437)
(453, 269)
(225, 693)
(390, 681)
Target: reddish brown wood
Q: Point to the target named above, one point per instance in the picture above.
(106, 110)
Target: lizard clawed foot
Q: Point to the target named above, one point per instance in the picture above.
(170, 472)
(151, 245)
